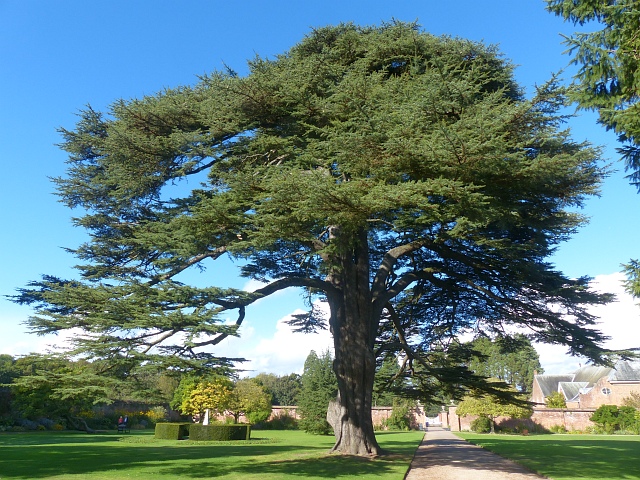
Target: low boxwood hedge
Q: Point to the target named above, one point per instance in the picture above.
(219, 433)
(172, 431)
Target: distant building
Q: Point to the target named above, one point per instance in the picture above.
(584, 391)
(590, 386)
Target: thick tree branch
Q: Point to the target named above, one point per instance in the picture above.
(388, 263)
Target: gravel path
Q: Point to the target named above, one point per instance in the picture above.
(443, 456)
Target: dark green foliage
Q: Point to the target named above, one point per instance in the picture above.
(481, 424)
(319, 387)
(609, 78)
(632, 284)
(172, 431)
(7, 373)
(510, 359)
(389, 382)
(55, 387)
(606, 417)
(219, 433)
(611, 418)
(629, 419)
(609, 61)
(432, 409)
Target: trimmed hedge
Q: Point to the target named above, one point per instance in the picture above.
(221, 433)
(172, 431)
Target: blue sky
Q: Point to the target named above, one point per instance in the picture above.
(57, 57)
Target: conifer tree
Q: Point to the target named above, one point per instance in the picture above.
(608, 80)
(512, 360)
(402, 178)
(319, 387)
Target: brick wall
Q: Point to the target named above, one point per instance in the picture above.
(570, 419)
(378, 414)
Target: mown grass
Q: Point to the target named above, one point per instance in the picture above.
(270, 455)
(568, 457)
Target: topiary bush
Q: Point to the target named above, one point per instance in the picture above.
(172, 431)
(220, 433)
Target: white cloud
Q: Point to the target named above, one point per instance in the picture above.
(282, 352)
(17, 341)
(287, 350)
(619, 320)
(253, 285)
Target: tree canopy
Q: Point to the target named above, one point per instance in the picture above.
(402, 178)
(250, 399)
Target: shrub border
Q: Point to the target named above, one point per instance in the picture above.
(172, 431)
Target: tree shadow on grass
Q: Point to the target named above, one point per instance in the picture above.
(570, 456)
(42, 456)
(45, 460)
(329, 466)
(47, 438)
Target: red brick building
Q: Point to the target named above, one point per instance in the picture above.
(590, 386)
(584, 391)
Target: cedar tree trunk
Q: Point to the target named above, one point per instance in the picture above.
(354, 328)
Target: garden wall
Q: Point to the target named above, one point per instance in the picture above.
(378, 414)
(570, 419)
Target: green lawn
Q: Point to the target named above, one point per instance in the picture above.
(270, 455)
(568, 457)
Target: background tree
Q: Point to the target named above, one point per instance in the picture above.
(633, 400)
(213, 394)
(8, 372)
(389, 381)
(512, 360)
(607, 418)
(492, 406)
(56, 388)
(608, 80)
(250, 399)
(284, 389)
(400, 177)
(319, 387)
(555, 400)
(183, 390)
